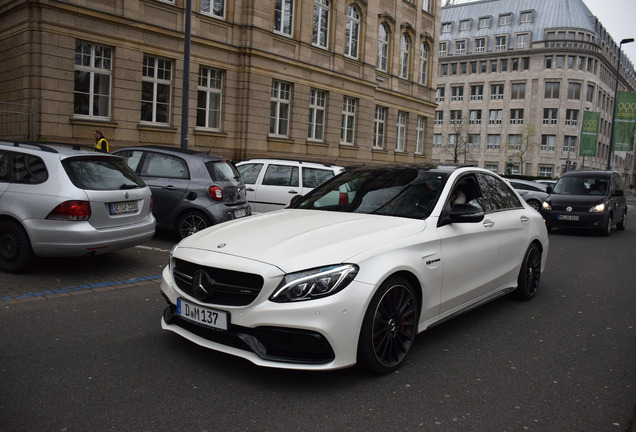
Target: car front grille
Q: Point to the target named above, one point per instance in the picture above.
(216, 286)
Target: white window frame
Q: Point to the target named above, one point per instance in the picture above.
(517, 116)
(548, 142)
(494, 142)
(485, 22)
(474, 117)
(402, 119)
(437, 140)
(572, 117)
(480, 44)
(379, 126)
(211, 87)
(550, 116)
(460, 46)
(447, 27)
(464, 25)
(439, 117)
(280, 108)
(352, 32)
(526, 17)
(495, 93)
(383, 48)
(426, 5)
(320, 35)
(159, 76)
(317, 104)
(505, 19)
(495, 116)
(95, 61)
(215, 8)
(348, 126)
(284, 17)
(443, 49)
(405, 56)
(477, 95)
(423, 63)
(457, 93)
(420, 134)
(501, 43)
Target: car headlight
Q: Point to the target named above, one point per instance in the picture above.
(314, 283)
(599, 208)
(546, 205)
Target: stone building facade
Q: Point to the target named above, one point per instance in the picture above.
(340, 81)
(514, 79)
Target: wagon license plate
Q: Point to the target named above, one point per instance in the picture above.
(240, 213)
(123, 207)
(568, 217)
(204, 316)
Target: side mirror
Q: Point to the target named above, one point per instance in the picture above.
(461, 213)
(618, 193)
(295, 199)
(549, 190)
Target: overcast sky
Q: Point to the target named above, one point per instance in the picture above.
(617, 16)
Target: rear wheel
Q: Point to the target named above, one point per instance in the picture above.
(191, 223)
(530, 274)
(16, 254)
(535, 204)
(389, 327)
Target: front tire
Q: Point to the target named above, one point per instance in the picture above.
(535, 204)
(389, 327)
(530, 274)
(16, 254)
(608, 228)
(190, 223)
(622, 224)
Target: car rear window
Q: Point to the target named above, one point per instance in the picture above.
(222, 171)
(100, 173)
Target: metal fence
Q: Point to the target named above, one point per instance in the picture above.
(17, 121)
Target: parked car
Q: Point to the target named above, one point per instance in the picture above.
(191, 190)
(272, 183)
(352, 271)
(534, 193)
(58, 201)
(548, 183)
(587, 200)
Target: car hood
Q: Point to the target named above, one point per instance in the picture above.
(294, 239)
(559, 200)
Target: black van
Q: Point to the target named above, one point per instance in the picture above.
(587, 200)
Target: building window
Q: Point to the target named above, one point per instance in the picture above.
(474, 141)
(525, 17)
(216, 8)
(492, 167)
(494, 142)
(423, 64)
(552, 90)
(455, 117)
(420, 135)
(443, 48)
(439, 117)
(480, 44)
(547, 142)
(457, 93)
(464, 25)
(500, 43)
(505, 19)
(574, 91)
(572, 117)
(525, 63)
(476, 92)
(440, 94)
(352, 33)
(569, 143)
(522, 40)
(279, 108)
(317, 103)
(400, 144)
(516, 116)
(590, 93)
(447, 27)
(437, 140)
(545, 172)
(518, 91)
(209, 98)
(383, 48)
(514, 142)
(484, 22)
(405, 48)
(321, 23)
(379, 124)
(550, 116)
(495, 116)
(347, 131)
(283, 16)
(474, 117)
(460, 47)
(156, 87)
(496, 91)
(426, 5)
(92, 81)
(548, 62)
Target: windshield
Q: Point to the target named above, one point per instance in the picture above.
(403, 192)
(582, 185)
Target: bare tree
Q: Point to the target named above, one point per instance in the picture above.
(523, 149)
(457, 143)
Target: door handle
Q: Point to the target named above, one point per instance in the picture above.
(293, 192)
(525, 219)
(488, 223)
(249, 189)
(170, 187)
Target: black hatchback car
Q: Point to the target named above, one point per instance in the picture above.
(191, 190)
(587, 200)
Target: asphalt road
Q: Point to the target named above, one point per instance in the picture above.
(81, 349)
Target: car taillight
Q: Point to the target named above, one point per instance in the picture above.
(71, 211)
(216, 193)
(151, 203)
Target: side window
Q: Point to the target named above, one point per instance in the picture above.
(281, 175)
(4, 166)
(249, 172)
(497, 193)
(617, 183)
(28, 169)
(131, 158)
(312, 177)
(161, 165)
(466, 191)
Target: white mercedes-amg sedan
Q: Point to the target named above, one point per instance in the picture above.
(351, 272)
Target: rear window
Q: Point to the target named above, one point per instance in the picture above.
(312, 177)
(99, 173)
(222, 171)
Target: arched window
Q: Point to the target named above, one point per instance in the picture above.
(352, 35)
(321, 23)
(405, 51)
(424, 64)
(383, 48)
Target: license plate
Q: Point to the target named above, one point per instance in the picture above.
(240, 213)
(123, 207)
(202, 315)
(568, 217)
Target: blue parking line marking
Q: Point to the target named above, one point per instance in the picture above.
(53, 291)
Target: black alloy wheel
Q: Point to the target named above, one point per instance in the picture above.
(389, 327)
(190, 223)
(15, 248)
(530, 273)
